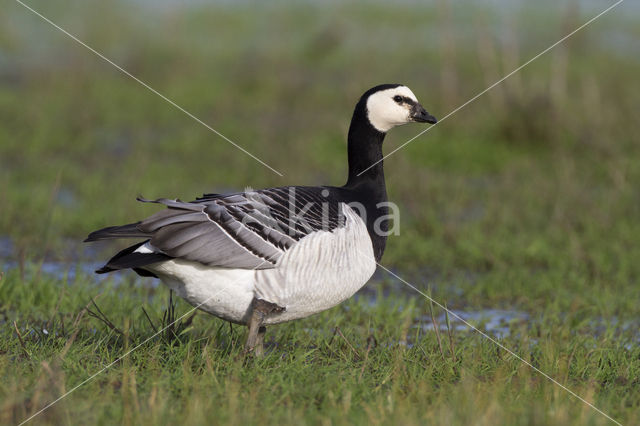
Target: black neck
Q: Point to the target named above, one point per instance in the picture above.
(366, 177)
(364, 149)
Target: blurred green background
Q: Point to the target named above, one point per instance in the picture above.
(526, 199)
(534, 182)
(540, 172)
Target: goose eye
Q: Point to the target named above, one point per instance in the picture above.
(398, 99)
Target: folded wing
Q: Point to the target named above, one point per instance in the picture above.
(249, 230)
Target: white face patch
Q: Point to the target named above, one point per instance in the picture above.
(384, 113)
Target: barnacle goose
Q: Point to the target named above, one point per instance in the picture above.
(277, 254)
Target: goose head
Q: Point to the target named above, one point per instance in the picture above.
(391, 105)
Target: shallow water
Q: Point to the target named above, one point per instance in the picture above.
(495, 322)
(64, 271)
(498, 323)
(6, 247)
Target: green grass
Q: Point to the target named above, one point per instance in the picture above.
(364, 372)
(526, 200)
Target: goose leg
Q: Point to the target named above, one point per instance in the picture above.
(255, 339)
(259, 348)
(255, 323)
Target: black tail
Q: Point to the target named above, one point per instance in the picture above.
(124, 231)
(127, 258)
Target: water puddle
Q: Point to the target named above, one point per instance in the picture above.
(498, 323)
(59, 270)
(77, 261)
(495, 322)
(6, 248)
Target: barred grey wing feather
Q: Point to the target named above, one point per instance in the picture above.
(207, 234)
(243, 230)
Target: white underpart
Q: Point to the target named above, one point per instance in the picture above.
(147, 248)
(384, 113)
(322, 270)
